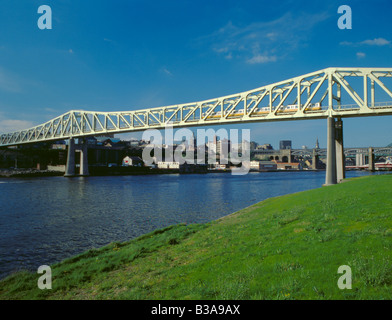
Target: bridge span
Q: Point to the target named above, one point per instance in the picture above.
(359, 154)
(331, 93)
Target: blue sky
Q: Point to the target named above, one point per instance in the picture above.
(128, 55)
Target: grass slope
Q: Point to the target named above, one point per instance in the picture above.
(288, 247)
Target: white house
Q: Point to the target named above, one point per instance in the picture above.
(131, 161)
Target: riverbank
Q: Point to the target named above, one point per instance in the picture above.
(288, 247)
(28, 173)
(121, 171)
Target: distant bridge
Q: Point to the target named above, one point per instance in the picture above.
(377, 151)
(332, 93)
(360, 154)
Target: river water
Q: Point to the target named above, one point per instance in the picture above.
(45, 220)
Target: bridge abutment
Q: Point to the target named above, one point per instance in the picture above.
(70, 170)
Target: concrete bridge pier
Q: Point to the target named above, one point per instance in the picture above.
(70, 166)
(340, 169)
(315, 159)
(359, 159)
(335, 171)
(330, 175)
(371, 160)
(83, 159)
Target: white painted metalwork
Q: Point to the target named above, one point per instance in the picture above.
(315, 95)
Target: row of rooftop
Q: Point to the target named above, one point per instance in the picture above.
(215, 144)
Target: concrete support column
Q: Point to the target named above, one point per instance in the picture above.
(371, 160)
(70, 167)
(359, 159)
(330, 176)
(315, 158)
(340, 169)
(84, 159)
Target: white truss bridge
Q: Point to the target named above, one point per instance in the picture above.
(316, 95)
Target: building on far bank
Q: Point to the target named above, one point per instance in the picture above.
(285, 144)
(59, 145)
(132, 161)
(168, 165)
(265, 146)
(288, 165)
(218, 166)
(263, 165)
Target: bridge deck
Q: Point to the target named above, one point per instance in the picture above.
(316, 95)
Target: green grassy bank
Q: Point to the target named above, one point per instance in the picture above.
(287, 247)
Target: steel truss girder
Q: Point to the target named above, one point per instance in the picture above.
(315, 95)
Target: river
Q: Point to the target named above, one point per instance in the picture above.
(45, 220)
